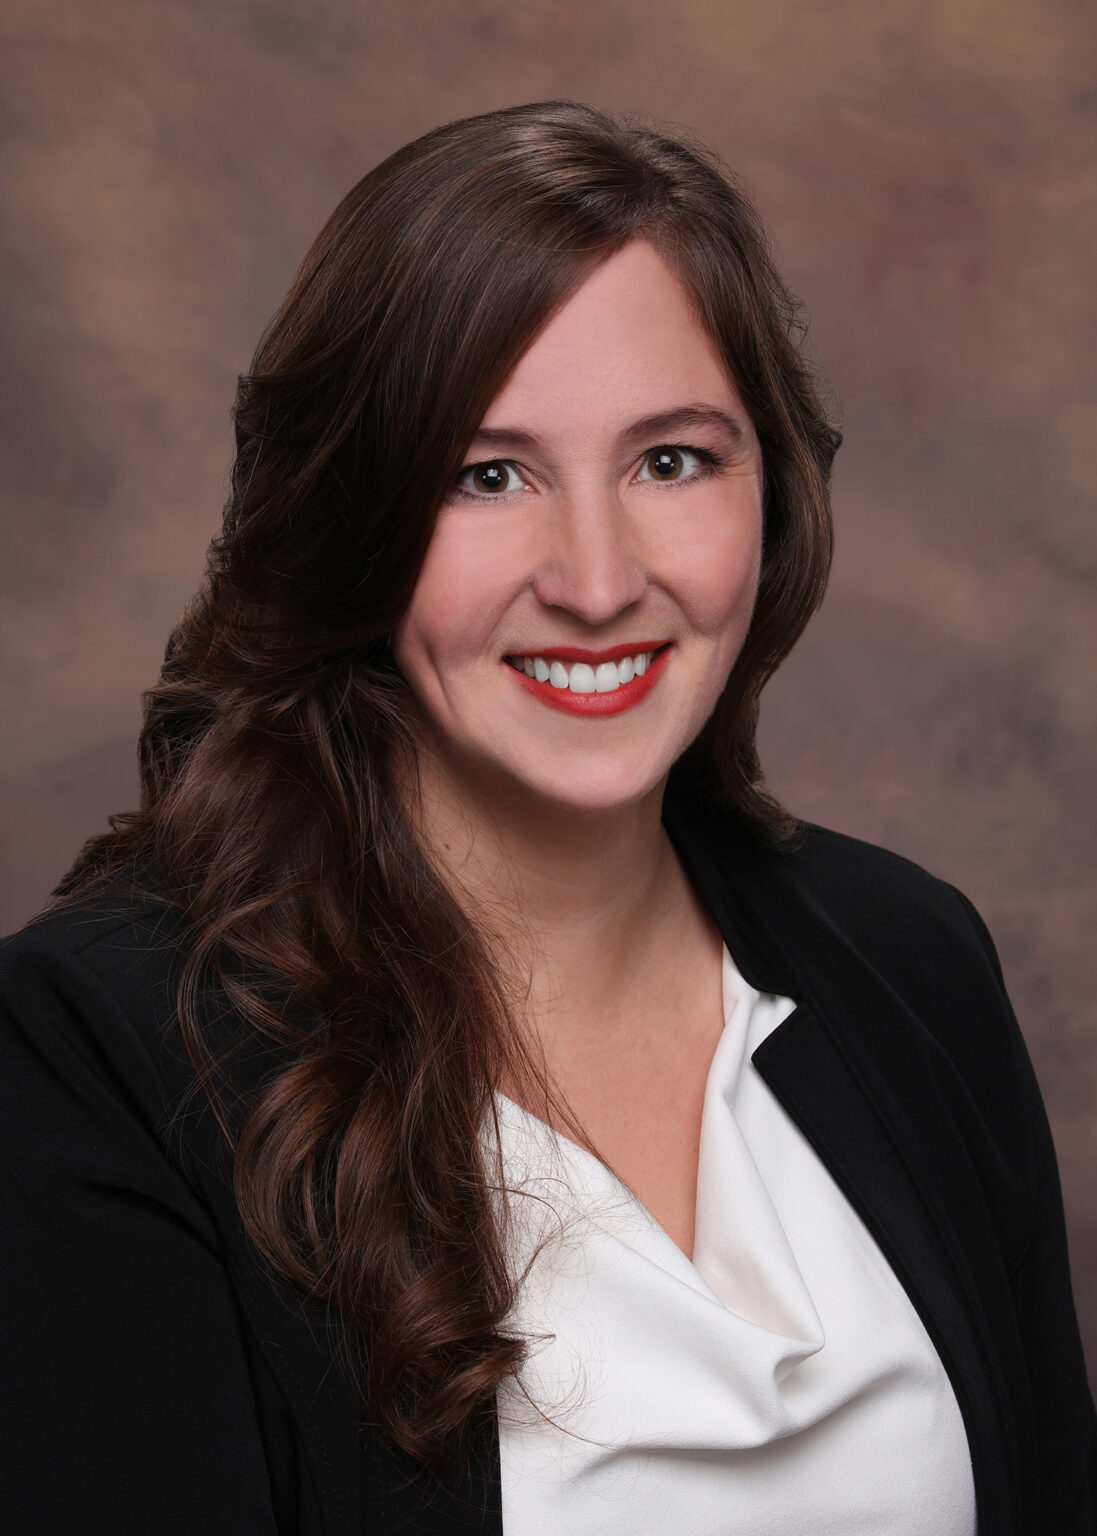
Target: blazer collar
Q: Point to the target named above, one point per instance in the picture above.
(729, 868)
(850, 1067)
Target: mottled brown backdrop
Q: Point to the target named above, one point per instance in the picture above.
(928, 171)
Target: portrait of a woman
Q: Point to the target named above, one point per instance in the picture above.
(461, 1098)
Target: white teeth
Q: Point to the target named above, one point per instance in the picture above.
(607, 677)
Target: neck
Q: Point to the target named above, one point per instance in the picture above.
(577, 905)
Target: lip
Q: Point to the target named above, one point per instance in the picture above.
(627, 696)
(608, 653)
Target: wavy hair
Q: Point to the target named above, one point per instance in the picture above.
(269, 795)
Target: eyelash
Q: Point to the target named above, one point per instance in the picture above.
(710, 463)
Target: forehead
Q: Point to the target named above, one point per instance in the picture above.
(626, 344)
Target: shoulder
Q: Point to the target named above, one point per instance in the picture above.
(894, 962)
(897, 914)
(88, 989)
(843, 906)
(900, 971)
(846, 874)
(901, 967)
(123, 938)
(836, 895)
(825, 894)
(100, 984)
(885, 899)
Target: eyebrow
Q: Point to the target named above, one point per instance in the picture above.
(660, 423)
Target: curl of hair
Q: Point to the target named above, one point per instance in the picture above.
(270, 747)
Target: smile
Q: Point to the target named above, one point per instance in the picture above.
(603, 685)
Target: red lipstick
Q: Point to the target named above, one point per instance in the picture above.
(615, 703)
(578, 653)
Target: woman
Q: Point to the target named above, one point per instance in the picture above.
(460, 1098)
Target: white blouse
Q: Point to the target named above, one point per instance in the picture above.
(779, 1384)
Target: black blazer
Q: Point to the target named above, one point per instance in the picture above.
(155, 1380)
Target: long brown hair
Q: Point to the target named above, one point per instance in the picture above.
(269, 802)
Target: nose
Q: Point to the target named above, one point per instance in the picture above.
(593, 566)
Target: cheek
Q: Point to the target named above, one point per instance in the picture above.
(713, 568)
(457, 597)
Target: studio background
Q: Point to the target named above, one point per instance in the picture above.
(928, 173)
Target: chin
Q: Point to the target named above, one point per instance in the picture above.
(589, 790)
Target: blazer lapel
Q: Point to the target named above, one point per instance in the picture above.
(849, 1066)
(846, 1120)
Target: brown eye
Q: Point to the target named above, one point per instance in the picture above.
(676, 465)
(666, 463)
(489, 477)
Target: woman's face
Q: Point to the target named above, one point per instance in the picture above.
(610, 507)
